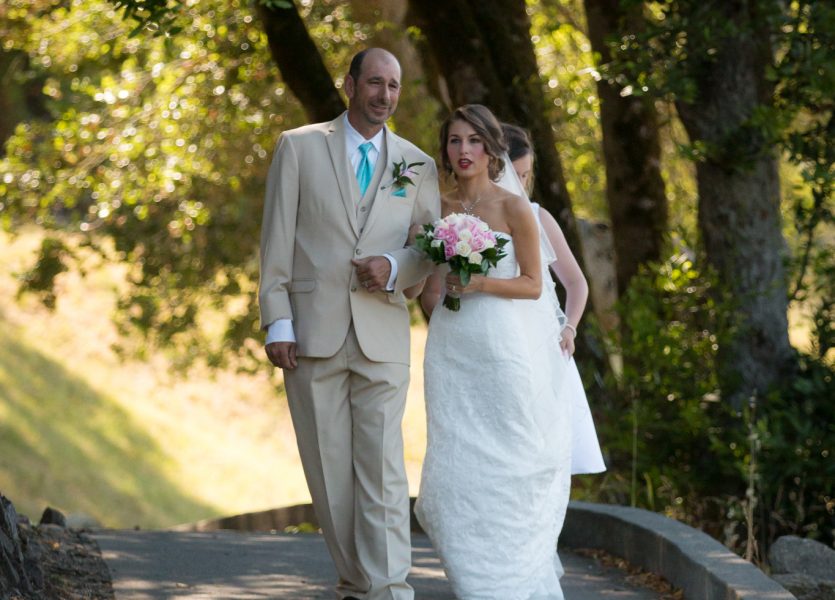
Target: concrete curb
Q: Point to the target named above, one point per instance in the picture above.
(687, 558)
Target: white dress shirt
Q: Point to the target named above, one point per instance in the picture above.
(281, 330)
(353, 141)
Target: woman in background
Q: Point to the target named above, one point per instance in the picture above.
(585, 456)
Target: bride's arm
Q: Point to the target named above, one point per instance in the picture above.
(432, 291)
(525, 232)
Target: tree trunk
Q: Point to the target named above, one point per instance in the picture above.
(300, 63)
(739, 206)
(18, 101)
(632, 151)
(481, 52)
(484, 55)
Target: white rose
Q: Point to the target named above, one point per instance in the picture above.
(475, 258)
(465, 235)
(488, 243)
(436, 243)
(463, 249)
(483, 226)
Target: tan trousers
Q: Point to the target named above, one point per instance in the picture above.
(347, 412)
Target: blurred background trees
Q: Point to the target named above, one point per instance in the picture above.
(697, 133)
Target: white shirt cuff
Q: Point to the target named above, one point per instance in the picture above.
(393, 276)
(280, 331)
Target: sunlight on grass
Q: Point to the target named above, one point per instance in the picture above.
(130, 443)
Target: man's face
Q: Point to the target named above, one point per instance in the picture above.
(373, 96)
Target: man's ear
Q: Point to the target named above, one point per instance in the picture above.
(349, 86)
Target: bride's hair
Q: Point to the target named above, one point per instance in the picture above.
(489, 130)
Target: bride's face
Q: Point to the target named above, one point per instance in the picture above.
(465, 150)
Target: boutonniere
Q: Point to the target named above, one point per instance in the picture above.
(403, 174)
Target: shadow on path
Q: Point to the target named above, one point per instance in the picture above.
(152, 565)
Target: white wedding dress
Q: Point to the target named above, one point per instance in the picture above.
(496, 476)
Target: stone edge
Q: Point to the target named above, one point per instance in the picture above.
(686, 557)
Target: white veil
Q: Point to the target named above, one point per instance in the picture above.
(509, 180)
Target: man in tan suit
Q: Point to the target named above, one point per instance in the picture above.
(334, 264)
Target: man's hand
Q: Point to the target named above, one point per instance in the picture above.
(282, 354)
(373, 272)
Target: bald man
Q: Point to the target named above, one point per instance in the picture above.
(334, 264)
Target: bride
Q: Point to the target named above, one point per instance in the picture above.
(496, 476)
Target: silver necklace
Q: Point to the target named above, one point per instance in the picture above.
(469, 208)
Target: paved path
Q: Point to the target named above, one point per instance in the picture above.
(152, 565)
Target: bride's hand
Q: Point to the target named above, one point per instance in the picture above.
(567, 342)
(453, 284)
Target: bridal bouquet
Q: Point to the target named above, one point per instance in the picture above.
(466, 243)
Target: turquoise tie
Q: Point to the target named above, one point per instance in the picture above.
(364, 170)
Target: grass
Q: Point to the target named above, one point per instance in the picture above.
(127, 442)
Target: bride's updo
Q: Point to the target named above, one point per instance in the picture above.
(489, 130)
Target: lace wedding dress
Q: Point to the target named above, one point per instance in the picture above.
(496, 476)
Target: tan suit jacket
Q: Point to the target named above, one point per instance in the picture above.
(310, 233)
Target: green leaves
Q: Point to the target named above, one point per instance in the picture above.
(163, 148)
(51, 262)
(158, 17)
(277, 4)
(402, 173)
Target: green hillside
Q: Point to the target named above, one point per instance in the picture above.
(129, 443)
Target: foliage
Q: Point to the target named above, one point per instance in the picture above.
(672, 325)
(767, 467)
(40, 279)
(161, 145)
(164, 17)
(797, 432)
(683, 38)
(567, 65)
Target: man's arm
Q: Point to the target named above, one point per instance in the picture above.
(412, 264)
(278, 234)
(277, 244)
(399, 269)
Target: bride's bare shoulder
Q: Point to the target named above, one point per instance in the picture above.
(509, 200)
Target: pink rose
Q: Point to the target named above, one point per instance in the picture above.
(449, 251)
